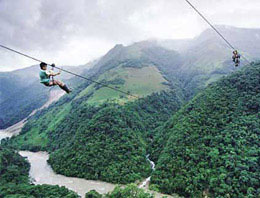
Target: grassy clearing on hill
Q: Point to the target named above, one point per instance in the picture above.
(137, 81)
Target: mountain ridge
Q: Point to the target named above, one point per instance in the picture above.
(109, 140)
(213, 143)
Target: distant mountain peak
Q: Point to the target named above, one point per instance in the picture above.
(118, 46)
(145, 44)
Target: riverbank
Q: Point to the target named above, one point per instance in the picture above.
(42, 173)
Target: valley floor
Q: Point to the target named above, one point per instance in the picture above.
(42, 173)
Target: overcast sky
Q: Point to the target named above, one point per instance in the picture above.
(73, 32)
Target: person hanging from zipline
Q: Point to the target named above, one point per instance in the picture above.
(236, 58)
(45, 78)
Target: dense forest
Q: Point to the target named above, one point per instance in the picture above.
(128, 191)
(209, 147)
(214, 147)
(15, 183)
(21, 92)
(191, 69)
(13, 111)
(106, 142)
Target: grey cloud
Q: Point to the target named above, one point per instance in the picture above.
(50, 27)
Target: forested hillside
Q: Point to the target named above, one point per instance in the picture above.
(21, 92)
(213, 147)
(106, 142)
(129, 191)
(99, 133)
(189, 64)
(20, 95)
(206, 58)
(14, 179)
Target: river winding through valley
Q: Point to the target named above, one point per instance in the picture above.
(42, 173)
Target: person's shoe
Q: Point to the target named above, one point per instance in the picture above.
(65, 88)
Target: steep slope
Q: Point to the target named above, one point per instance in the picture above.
(207, 58)
(21, 93)
(135, 81)
(11, 82)
(107, 142)
(188, 64)
(132, 75)
(139, 69)
(21, 104)
(140, 55)
(97, 133)
(209, 46)
(14, 180)
(115, 139)
(208, 52)
(213, 147)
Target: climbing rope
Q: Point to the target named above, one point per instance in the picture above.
(83, 77)
(214, 28)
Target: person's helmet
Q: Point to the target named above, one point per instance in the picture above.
(235, 52)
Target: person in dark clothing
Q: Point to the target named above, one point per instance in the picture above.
(236, 58)
(46, 75)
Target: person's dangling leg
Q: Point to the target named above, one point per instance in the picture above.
(61, 85)
(236, 62)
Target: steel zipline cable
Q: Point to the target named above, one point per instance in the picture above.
(105, 85)
(214, 28)
(72, 73)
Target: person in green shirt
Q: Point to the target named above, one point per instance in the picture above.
(46, 75)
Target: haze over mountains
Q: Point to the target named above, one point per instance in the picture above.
(98, 133)
(21, 92)
(205, 58)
